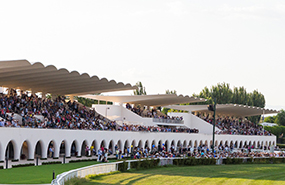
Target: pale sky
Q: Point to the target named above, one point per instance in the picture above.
(165, 44)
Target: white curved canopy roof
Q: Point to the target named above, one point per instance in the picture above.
(148, 100)
(21, 74)
(226, 109)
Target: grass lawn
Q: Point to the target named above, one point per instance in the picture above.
(37, 174)
(225, 174)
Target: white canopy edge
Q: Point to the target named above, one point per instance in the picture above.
(226, 109)
(147, 100)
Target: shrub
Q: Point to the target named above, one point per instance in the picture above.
(51, 162)
(23, 165)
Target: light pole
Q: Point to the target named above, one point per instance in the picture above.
(213, 108)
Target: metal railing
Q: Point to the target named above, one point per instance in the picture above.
(161, 120)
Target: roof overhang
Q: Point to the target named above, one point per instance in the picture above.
(21, 74)
(148, 100)
(226, 109)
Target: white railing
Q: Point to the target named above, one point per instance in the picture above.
(99, 169)
(82, 172)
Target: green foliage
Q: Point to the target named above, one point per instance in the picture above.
(238, 95)
(276, 130)
(192, 161)
(140, 90)
(270, 119)
(139, 165)
(76, 181)
(166, 110)
(280, 118)
(123, 166)
(23, 165)
(51, 162)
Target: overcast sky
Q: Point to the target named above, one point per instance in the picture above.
(165, 44)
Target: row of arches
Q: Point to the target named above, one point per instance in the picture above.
(76, 148)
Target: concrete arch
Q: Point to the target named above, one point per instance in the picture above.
(126, 146)
(119, 145)
(195, 143)
(39, 149)
(53, 145)
(236, 144)
(64, 148)
(232, 144)
(166, 144)
(245, 143)
(159, 145)
(26, 151)
(83, 148)
(153, 144)
(221, 143)
(200, 143)
(254, 144)
(146, 144)
(249, 144)
(206, 143)
(103, 144)
(140, 144)
(74, 148)
(184, 144)
(95, 145)
(111, 147)
(269, 143)
(12, 150)
(240, 144)
(134, 144)
(216, 143)
(226, 143)
(190, 143)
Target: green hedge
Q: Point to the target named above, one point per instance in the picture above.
(52, 162)
(192, 161)
(139, 165)
(23, 165)
(271, 160)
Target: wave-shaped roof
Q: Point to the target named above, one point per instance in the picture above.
(21, 74)
(148, 100)
(226, 109)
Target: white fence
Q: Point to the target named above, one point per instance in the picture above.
(82, 172)
(99, 169)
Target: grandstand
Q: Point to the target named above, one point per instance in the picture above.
(32, 125)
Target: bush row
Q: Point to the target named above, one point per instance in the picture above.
(271, 160)
(52, 162)
(139, 165)
(192, 161)
(23, 165)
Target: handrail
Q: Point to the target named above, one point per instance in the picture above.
(162, 120)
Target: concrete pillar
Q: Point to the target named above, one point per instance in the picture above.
(31, 152)
(67, 148)
(2, 152)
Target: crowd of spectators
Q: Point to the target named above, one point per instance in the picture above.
(236, 126)
(142, 128)
(153, 113)
(222, 151)
(62, 114)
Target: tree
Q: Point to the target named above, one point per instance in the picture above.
(170, 92)
(270, 119)
(280, 118)
(140, 90)
(165, 110)
(238, 95)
